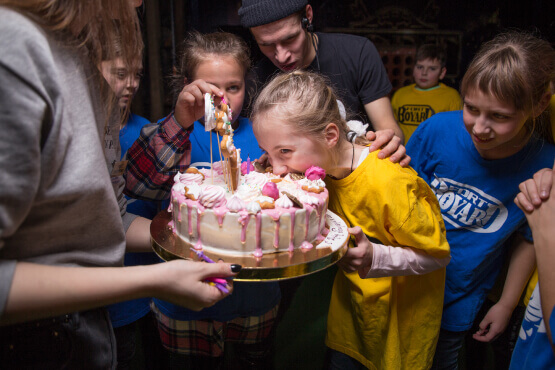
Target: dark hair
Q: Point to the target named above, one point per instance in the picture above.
(198, 47)
(517, 68)
(431, 51)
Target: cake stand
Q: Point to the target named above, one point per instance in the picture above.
(269, 267)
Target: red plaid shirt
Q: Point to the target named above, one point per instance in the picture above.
(162, 150)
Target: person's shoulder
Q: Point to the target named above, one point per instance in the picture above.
(17, 29)
(138, 120)
(440, 123)
(404, 90)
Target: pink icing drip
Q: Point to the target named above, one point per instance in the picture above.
(244, 220)
(198, 244)
(291, 239)
(220, 214)
(308, 210)
(190, 219)
(258, 251)
(306, 245)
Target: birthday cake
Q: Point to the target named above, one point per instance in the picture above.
(265, 214)
(238, 208)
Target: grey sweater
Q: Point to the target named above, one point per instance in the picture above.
(57, 201)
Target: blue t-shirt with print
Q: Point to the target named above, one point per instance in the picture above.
(248, 298)
(533, 349)
(476, 197)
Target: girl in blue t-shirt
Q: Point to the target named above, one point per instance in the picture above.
(474, 160)
(198, 339)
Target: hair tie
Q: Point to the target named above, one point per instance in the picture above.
(351, 136)
(356, 128)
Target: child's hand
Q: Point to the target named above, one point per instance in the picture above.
(392, 146)
(190, 103)
(494, 323)
(358, 258)
(534, 191)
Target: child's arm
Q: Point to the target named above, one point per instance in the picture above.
(521, 266)
(541, 222)
(373, 260)
(163, 149)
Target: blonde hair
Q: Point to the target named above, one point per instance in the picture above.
(304, 100)
(516, 68)
(198, 48)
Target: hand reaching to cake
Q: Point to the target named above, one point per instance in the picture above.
(185, 283)
(190, 103)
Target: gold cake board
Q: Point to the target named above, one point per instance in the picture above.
(269, 267)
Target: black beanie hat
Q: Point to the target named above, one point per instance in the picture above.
(258, 12)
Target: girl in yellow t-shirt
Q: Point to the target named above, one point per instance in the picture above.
(387, 298)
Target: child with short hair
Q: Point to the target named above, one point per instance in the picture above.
(485, 151)
(427, 96)
(386, 301)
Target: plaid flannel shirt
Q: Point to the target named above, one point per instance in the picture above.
(162, 150)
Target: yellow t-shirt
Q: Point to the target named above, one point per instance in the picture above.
(391, 322)
(412, 106)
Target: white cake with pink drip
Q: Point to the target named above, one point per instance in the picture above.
(264, 214)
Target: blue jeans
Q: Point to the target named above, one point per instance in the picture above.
(448, 349)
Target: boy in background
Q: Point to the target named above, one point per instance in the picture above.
(415, 103)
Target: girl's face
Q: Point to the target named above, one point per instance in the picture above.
(496, 128)
(123, 82)
(225, 73)
(288, 151)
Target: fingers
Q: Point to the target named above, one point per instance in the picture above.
(221, 269)
(534, 191)
(383, 137)
(357, 233)
(190, 103)
(371, 136)
(544, 182)
(405, 161)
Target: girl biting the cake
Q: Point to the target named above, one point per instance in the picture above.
(386, 302)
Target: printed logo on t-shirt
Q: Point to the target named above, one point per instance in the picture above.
(414, 114)
(465, 206)
(533, 318)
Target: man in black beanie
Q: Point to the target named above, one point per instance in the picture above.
(284, 33)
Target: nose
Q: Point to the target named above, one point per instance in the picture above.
(281, 54)
(424, 71)
(132, 82)
(279, 168)
(481, 125)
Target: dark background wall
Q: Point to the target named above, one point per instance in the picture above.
(396, 27)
